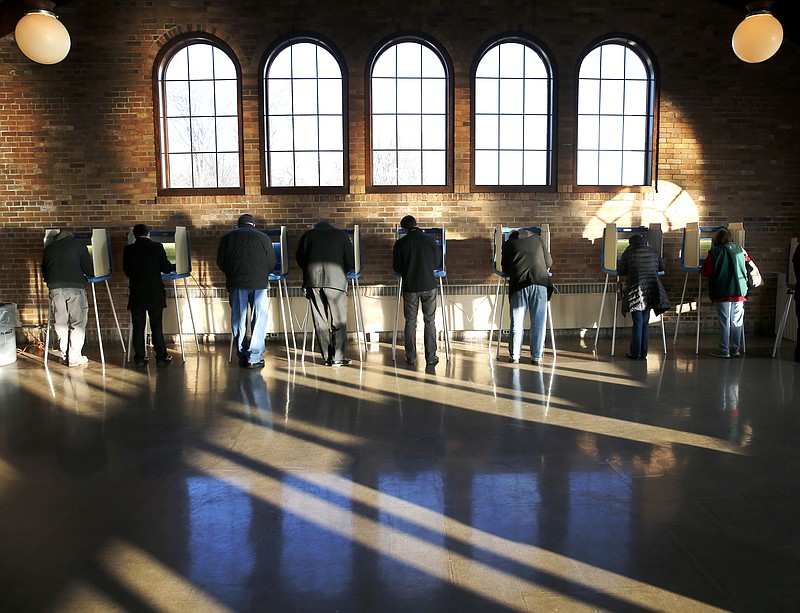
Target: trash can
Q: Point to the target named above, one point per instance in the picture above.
(8, 341)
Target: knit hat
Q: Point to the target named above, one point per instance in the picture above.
(246, 218)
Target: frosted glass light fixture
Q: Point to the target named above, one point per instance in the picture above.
(759, 36)
(42, 37)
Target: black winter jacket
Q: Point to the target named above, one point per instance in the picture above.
(325, 254)
(247, 258)
(143, 263)
(643, 288)
(415, 256)
(66, 262)
(525, 260)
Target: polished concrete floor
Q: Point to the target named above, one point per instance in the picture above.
(588, 483)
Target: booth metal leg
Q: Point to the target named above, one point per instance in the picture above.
(178, 316)
(494, 318)
(503, 292)
(230, 351)
(283, 316)
(552, 328)
(116, 319)
(600, 317)
(359, 322)
(614, 329)
(191, 313)
(97, 319)
(305, 332)
(445, 320)
(699, 298)
(47, 333)
(663, 334)
(680, 309)
(130, 343)
(782, 324)
(396, 318)
(361, 315)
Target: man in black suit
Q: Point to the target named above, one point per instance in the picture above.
(143, 262)
(325, 255)
(415, 257)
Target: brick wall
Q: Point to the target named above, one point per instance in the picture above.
(77, 139)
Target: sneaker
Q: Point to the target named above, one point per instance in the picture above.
(141, 363)
(344, 362)
(720, 354)
(736, 354)
(433, 362)
(536, 361)
(79, 361)
(513, 360)
(254, 365)
(165, 362)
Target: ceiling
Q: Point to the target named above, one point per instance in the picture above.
(787, 12)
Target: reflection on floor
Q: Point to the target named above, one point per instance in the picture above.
(588, 483)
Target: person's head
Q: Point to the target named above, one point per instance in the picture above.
(408, 222)
(246, 220)
(140, 230)
(723, 236)
(636, 240)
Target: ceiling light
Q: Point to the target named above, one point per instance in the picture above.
(759, 36)
(42, 37)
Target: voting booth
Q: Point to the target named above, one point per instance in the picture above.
(280, 244)
(501, 234)
(98, 244)
(615, 241)
(440, 235)
(177, 247)
(697, 242)
(354, 234)
(791, 288)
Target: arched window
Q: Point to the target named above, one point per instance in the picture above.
(304, 117)
(410, 111)
(197, 83)
(512, 116)
(616, 115)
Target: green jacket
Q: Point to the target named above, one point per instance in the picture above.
(729, 277)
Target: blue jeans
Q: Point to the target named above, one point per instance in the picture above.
(641, 333)
(730, 316)
(534, 299)
(249, 349)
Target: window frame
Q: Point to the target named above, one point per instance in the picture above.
(163, 57)
(266, 59)
(644, 53)
(437, 48)
(547, 57)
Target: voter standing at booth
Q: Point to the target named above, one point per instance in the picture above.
(796, 264)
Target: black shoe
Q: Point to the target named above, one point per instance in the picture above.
(165, 362)
(411, 361)
(340, 362)
(142, 363)
(630, 356)
(536, 361)
(433, 362)
(254, 365)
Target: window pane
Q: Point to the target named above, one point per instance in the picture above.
(634, 67)
(384, 96)
(409, 167)
(305, 135)
(487, 96)
(279, 96)
(177, 94)
(612, 97)
(486, 171)
(409, 98)
(534, 65)
(612, 62)
(281, 136)
(487, 131)
(489, 66)
(178, 66)
(384, 132)
(330, 96)
(180, 171)
(228, 134)
(431, 64)
(226, 97)
(510, 132)
(223, 66)
(511, 96)
(386, 64)
(200, 61)
(304, 96)
(636, 98)
(434, 132)
(510, 168)
(633, 169)
(635, 133)
(384, 168)
(535, 168)
(330, 133)
(589, 97)
(434, 168)
(178, 136)
(590, 67)
(588, 132)
(511, 58)
(409, 130)
(204, 135)
(536, 132)
(537, 96)
(409, 58)
(281, 169)
(205, 169)
(610, 168)
(327, 66)
(306, 169)
(331, 169)
(202, 98)
(228, 169)
(587, 168)
(281, 65)
(610, 132)
(434, 96)
(304, 60)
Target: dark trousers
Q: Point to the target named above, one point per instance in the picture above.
(797, 312)
(138, 320)
(411, 302)
(329, 310)
(641, 333)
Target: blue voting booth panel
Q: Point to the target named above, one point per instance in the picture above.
(99, 245)
(440, 234)
(280, 243)
(614, 245)
(176, 244)
(355, 238)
